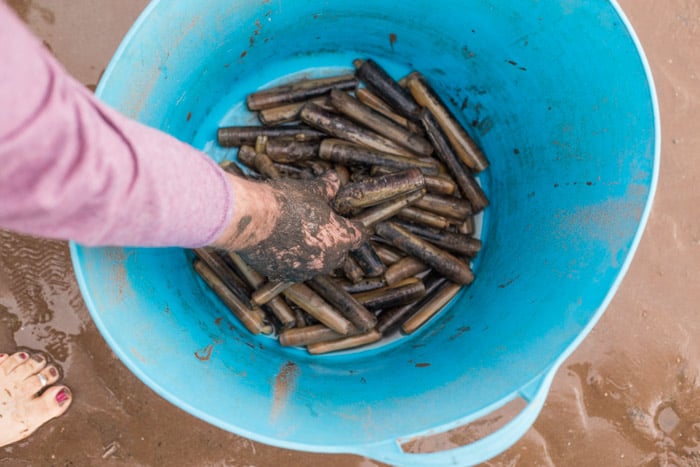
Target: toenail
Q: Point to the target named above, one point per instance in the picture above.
(53, 372)
(37, 358)
(23, 356)
(62, 396)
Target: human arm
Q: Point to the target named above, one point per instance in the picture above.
(73, 168)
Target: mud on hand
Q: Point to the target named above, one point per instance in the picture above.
(308, 238)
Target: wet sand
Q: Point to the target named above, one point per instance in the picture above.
(628, 396)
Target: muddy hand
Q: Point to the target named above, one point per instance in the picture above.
(300, 236)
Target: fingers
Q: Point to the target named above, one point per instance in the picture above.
(329, 185)
(356, 233)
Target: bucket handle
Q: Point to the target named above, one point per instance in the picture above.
(534, 393)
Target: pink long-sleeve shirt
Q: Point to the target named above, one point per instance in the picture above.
(72, 168)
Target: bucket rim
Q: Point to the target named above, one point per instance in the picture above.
(549, 369)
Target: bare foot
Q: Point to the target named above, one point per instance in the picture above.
(22, 411)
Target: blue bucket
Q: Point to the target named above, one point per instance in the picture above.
(560, 98)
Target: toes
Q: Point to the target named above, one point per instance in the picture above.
(51, 373)
(11, 362)
(52, 403)
(35, 383)
(29, 366)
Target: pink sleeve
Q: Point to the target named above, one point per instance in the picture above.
(72, 168)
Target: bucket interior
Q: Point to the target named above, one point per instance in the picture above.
(557, 96)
